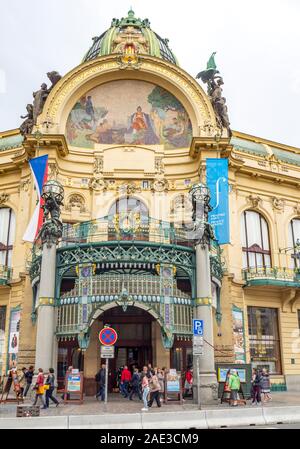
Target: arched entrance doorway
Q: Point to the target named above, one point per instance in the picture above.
(139, 343)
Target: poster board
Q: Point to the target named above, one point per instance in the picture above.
(173, 387)
(11, 389)
(244, 371)
(73, 387)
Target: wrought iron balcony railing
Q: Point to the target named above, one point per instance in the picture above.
(120, 228)
(269, 274)
(5, 274)
(112, 284)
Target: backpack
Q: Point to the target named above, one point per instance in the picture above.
(98, 377)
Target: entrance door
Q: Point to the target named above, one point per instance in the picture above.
(134, 345)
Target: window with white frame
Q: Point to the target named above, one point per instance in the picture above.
(255, 240)
(294, 240)
(7, 235)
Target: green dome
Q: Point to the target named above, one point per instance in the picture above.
(128, 31)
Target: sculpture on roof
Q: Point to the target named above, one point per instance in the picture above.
(39, 99)
(27, 125)
(214, 81)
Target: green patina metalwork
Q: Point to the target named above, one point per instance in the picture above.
(277, 277)
(287, 156)
(248, 147)
(11, 142)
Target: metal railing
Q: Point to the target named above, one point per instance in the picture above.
(134, 284)
(107, 229)
(271, 273)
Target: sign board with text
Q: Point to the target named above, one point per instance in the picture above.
(107, 352)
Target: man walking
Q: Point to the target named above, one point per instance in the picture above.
(28, 376)
(100, 377)
(135, 382)
(125, 379)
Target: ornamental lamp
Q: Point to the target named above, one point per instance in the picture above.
(53, 188)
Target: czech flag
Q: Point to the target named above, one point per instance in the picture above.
(39, 169)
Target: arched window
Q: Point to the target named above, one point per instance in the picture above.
(129, 205)
(128, 217)
(294, 240)
(7, 235)
(255, 240)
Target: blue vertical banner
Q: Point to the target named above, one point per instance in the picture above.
(217, 182)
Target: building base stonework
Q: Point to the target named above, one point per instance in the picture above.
(208, 390)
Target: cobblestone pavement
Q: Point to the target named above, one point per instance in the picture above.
(117, 404)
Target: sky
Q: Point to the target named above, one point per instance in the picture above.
(257, 45)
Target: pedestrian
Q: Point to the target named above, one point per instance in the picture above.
(50, 382)
(125, 379)
(154, 391)
(257, 383)
(188, 383)
(22, 382)
(28, 376)
(145, 388)
(234, 385)
(100, 378)
(150, 371)
(265, 385)
(161, 380)
(135, 385)
(39, 387)
(70, 369)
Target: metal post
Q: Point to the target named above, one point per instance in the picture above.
(198, 384)
(106, 381)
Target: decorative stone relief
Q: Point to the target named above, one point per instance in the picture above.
(4, 197)
(98, 185)
(129, 189)
(297, 209)
(24, 185)
(278, 203)
(160, 185)
(77, 201)
(159, 166)
(254, 200)
(53, 171)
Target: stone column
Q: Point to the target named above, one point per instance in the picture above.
(46, 312)
(207, 377)
(202, 235)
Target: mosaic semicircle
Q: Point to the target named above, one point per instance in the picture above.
(129, 112)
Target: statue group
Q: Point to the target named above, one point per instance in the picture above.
(214, 82)
(39, 99)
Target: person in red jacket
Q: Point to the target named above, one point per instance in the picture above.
(125, 379)
(188, 384)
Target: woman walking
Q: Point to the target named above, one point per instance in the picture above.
(154, 391)
(50, 381)
(257, 383)
(39, 386)
(145, 388)
(266, 386)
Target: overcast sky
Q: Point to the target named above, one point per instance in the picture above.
(257, 44)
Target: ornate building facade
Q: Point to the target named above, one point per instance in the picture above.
(127, 134)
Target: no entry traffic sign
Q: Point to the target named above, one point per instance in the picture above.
(108, 336)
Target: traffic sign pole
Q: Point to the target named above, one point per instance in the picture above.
(108, 337)
(106, 381)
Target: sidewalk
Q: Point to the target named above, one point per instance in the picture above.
(122, 413)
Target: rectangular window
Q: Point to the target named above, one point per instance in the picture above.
(2, 335)
(264, 338)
